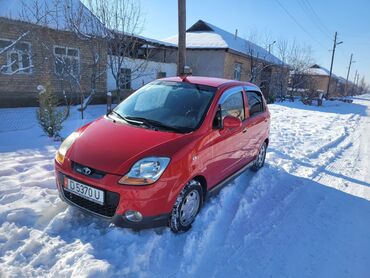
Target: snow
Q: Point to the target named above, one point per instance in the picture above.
(318, 70)
(321, 71)
(52, 13)
(305, 214)
(206, 35)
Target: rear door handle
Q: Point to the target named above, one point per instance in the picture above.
(245, 130)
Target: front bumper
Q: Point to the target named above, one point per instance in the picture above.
(115, 206)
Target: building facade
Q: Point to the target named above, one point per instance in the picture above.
(214, 52)
(37, 55)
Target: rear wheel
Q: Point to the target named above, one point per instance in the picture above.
(187, 206)
(260, 160)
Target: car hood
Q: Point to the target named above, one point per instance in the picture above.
(113, 147)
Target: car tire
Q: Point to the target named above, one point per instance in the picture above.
(260, 159)
(186, 207)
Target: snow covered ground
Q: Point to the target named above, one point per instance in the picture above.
(305, 214)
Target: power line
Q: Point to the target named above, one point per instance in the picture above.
(298, 24)
(324, 27)
(313, 17)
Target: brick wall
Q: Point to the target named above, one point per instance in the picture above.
(230, 60)
(21, 89)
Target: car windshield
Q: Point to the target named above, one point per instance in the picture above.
(166, 105)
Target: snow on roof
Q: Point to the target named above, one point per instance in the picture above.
(318, 70)
(206, 35)
(51, 13)
(321, 71)
(55, 14)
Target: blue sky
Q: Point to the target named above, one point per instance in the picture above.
(350, 18)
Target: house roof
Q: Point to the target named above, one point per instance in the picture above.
(48, 13)
(319, 70)
(205, 35)
(57, 13)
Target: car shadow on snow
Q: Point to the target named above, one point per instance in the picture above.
(267, 224)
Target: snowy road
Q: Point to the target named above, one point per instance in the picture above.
(306, 214)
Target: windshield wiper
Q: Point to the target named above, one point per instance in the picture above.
(117, 114)
(153, 123)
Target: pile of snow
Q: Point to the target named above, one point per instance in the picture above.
(305, 214)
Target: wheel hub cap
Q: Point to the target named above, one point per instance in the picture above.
(189, 207)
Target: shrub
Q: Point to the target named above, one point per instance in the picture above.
(49, 116)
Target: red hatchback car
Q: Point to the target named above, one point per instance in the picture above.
(160, 153)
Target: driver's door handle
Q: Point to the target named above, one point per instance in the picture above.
(244, 130)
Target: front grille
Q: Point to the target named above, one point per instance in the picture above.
(111, 200)
(93, 173)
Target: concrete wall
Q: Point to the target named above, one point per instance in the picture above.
(203, 62)
(206, 62)
(143, 72)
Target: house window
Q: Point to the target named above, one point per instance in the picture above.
(67, 61)
(161, 74)
(125, 79)
(18, 58)
(237, 71)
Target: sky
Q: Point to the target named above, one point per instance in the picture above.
(309, 22)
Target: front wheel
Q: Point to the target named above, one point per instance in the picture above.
(260, 160)
(187, 206)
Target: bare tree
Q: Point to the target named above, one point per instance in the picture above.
(299, 58)
(123, 22)
(89, 29)
(73, 16)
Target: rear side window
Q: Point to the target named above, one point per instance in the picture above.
(255, 103)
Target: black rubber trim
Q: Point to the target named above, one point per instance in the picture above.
(146, 223)
(217, 188)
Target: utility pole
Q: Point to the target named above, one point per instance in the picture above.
(355, 82)
(181, 56)
(332, 62)
(349, 69)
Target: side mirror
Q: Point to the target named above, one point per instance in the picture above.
(230, 122)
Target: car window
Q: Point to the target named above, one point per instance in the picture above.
(180, 105)
(233, 105)
(255, 103)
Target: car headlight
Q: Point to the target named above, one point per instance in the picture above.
(145, 171)
(67, 143)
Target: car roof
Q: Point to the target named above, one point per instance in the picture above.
(209, 81)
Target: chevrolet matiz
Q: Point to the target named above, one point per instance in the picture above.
(155, 158)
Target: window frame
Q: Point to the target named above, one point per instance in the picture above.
(238, 71)
(254, 90)
(124, 76)
(78, 58)
(161, 74)
(20, 53)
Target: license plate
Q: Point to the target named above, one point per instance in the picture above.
(87, 192)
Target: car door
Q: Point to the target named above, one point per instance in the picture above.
(256, 122)
(226, 145)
